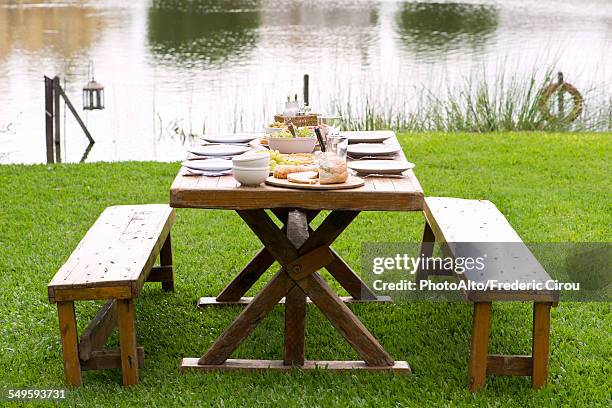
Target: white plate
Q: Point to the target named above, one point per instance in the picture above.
(363, 136)
(218, 150)
(380, 166)
(231, 137)
(368, 149)
(208, 165)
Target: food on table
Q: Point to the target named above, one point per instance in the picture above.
(306, 177)
(332, 169)
(283, 170)
(277, 125)
(299, 132)
(263, 141)
(296, 159)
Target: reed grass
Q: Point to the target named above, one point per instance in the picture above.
(480, 105)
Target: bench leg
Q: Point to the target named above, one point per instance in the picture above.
(165, 259)
(70, 348)
(427, 248)
(540, 345)
(477, 368)
(126, 315)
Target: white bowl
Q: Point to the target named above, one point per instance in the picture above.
(251, 176)
(293, 144)
(252, 160)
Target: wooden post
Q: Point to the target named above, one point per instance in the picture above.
(49, 118)
(477, 367)
(541, 343)
(560, 94)
(295, 301)
(57, 123)
(306, 90)
(70, 347)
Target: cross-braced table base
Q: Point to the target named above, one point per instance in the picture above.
(301, 252)
(233, 294)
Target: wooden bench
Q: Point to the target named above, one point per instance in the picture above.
(112, 262)
(469, 228)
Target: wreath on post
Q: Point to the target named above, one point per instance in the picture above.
(563, 87)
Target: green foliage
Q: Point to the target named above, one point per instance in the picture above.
(480, 105)
(552, 188)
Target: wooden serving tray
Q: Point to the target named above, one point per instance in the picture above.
(352, 182)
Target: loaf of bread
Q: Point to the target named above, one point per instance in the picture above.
(332, 169)
(283, 170)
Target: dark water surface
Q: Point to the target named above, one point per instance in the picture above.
(228, 65)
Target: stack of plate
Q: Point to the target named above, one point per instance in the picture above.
(209, 167)
(213, 158)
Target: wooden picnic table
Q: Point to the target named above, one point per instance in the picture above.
(301, 251)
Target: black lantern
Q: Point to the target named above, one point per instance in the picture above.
(93, 92)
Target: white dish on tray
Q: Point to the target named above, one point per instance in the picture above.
(208, 165)
(380, 166)
(293, 144)
(231, 137)
(218, 150)
(367, 136)
(372, 149)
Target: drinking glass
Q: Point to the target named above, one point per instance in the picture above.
(337, 144)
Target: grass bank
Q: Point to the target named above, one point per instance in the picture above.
(552, 188)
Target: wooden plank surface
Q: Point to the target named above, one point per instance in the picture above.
(476, 228)
(378, 193)
(401, 367)
(121, 245)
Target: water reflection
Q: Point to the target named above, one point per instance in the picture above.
(210, 31)
(432, 28)
(66, 30)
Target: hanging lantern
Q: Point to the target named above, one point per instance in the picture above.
(93, 92)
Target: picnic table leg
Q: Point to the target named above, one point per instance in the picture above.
(260, 263)
(300, 263)
(247, 277)
(295, 301)
(70, 341)
(341, 317)
(339, 269)
(246, 321)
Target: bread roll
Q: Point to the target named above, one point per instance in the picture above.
(332, 169)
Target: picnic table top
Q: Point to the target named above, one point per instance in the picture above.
(379, 193)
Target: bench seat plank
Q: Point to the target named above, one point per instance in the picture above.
(118, 250)
(471, 228)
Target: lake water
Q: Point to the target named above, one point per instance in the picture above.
(225, 65)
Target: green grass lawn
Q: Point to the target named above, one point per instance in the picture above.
(551, 187)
